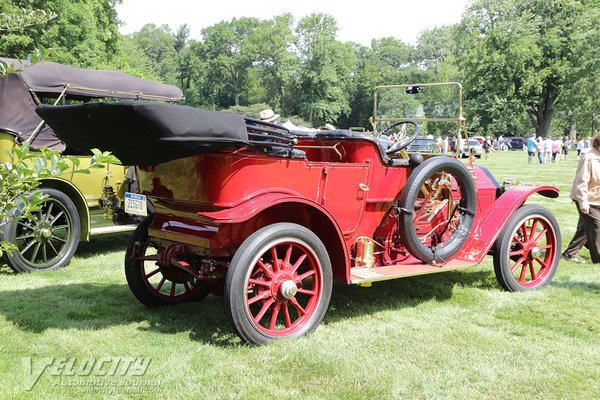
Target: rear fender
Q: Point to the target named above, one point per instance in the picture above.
(269, 208)
(488, 226)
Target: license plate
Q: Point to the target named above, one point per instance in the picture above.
(135, 204)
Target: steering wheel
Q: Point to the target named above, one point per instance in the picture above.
(402, 140)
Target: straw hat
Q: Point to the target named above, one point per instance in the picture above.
(268, 115)
(327, 127)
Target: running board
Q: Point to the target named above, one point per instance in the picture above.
(112, 229)
(361, 276)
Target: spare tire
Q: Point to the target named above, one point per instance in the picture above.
(438, 246)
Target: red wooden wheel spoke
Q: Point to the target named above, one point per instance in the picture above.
(152, 273)
(265, 269)
(541, 262)
(172, 292)
(532, 270)
(304, 276)
(516, 265)
(160, 284)
(186, 286)
(523, 272)
(262, 296)
(286, 316)
(274, 315)
(524, 231)
(515, 253)
(533, 228)
(307, 292)
(275, 260)
(288, 254)
(297, 264)
(259, 282)
(149, 258)
(546, 247)
(263, 310)
(301, 310)
(538, 237)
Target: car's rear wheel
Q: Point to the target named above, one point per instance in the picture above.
(153, 284)
(278, 284)
(526, 255)
(46, 241)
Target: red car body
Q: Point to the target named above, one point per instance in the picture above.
(268, 217)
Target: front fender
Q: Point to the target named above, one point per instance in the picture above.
(488, 226)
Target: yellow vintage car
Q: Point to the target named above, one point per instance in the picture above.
(77, 206)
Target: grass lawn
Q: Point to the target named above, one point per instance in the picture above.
(454, 335)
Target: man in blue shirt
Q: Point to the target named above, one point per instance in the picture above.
(531, 147)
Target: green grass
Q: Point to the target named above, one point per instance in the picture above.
(454, 335)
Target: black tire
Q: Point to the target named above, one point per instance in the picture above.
(522, 257)
(47, 242)
(139, 281)
(467, 207)
(302, 263)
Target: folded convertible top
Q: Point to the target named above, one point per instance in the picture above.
(141, 133)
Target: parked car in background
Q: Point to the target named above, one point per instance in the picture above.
(422, 145)
(76, 206)
(517, 143)
(480, 139)
(474, 146)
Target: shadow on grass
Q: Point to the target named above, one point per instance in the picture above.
(103, 244)
(93, 307)
(585, 286)
(97, 245)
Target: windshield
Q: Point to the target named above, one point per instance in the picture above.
(436, 107)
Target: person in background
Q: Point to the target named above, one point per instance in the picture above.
(547, 149)
(586, 144)
(566, 146)
(531, 148)
(540, 149)
(445, 145)
(556, 148)
(579, 147)
(586, 195)
(487, 147)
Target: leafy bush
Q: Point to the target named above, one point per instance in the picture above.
(20, 176)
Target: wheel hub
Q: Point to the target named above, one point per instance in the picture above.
(42, 233)
(535, 252)
(288, 289)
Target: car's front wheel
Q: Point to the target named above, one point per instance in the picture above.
(526, 255)
(46, 241)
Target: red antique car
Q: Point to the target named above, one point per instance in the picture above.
(269, 217)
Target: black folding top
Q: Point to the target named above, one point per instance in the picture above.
(50, 79)
(142, 133)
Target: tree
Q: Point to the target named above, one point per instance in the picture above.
(515, 57)
(83, 33)
(228, 58)
(157, 43)
(326, 70)
(271, 44)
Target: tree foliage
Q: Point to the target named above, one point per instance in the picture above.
(82, 33)
(516, 59)
(523, 63)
